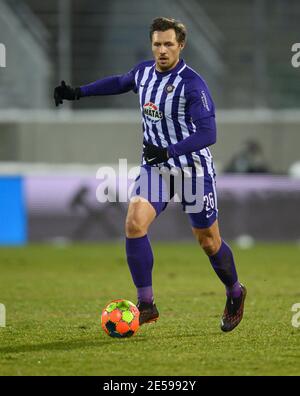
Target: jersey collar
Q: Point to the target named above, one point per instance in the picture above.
(180, 65)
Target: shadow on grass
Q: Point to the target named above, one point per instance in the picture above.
(66, 345)
(82, 344)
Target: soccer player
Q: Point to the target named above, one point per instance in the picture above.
(178, 126)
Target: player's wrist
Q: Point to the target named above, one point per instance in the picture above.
(77, 93)
(171, 151)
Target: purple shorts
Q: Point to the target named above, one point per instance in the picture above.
(197, 194)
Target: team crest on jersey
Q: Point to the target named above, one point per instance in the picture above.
(152, 112)
(169, 88)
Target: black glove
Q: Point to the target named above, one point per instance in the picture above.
(64, 91)
(155, 155)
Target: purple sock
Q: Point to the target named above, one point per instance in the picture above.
(223, 264)
(140, 261)
(145, 294)
(234, 291)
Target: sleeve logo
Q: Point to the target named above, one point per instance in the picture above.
(204, 101)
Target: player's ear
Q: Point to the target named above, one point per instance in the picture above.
(182, 45)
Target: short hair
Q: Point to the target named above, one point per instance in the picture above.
(162, 24)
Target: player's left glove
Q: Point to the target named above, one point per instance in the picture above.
(155, 155)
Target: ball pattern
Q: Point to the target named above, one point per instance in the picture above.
(120, 319)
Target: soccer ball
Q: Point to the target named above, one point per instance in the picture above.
(120, 318)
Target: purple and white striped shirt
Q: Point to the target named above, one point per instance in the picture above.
(175, 105)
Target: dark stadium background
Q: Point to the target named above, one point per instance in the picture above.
(242, 49)
(49, 157)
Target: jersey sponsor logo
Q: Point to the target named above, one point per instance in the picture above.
(169, 88)
(152, 113)
(204, 100)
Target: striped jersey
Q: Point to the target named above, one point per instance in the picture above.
(169, 103)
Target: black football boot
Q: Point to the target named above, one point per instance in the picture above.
(148, 312)
(234, 310)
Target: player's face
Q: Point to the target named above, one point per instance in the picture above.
(166, 49)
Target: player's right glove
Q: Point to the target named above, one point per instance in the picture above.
(155, 155)
(64, 91)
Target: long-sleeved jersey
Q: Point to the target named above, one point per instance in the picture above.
(177, 110)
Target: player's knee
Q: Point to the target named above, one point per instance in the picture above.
(135, 228)
(209, 244)
(210, 240)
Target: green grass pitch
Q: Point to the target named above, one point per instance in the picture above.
(54, 297)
